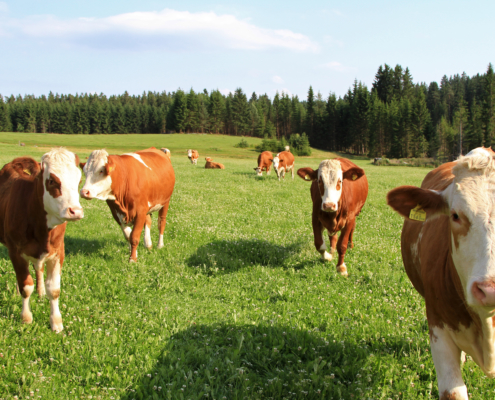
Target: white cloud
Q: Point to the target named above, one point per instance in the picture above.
(167, 29)
(332, 41)
(277, 79)
(336, 66)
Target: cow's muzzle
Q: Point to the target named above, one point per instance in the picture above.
(484, 293)
(329, 207)
(85, 194)
(74, 213)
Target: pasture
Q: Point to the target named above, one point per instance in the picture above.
(237, 305)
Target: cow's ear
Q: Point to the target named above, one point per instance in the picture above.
(109, 166)
(81, 165)
(353, 173)
(271, 160)
(308, 174)
(77, 159)
(255, 169)
(417, 204)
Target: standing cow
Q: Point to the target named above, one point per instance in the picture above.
(36, 201)
(264, 163)
(339, 191)
(283, 162)
(193, 155)
(447, 243)
(134, 185)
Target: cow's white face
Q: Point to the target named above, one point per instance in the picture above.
(276, 163)
(61, 178)
(258, 171)
(189, 153)
(330, 179)
(98, 183)
(471, 201)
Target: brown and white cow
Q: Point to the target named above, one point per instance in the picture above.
(213, 165)
(283, 162)
(36, 201)
(448, 250)
(339, 191)
(166, 151)
(193, 155)
(264, 163)
(134, 185)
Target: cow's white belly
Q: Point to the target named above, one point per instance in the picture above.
(154, 208)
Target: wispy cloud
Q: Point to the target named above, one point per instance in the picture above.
(337, 66)
(277, 79)
(167, 29)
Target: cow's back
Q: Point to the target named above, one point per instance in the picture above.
(354, 193)
(287, 159)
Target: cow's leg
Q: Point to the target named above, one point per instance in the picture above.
(342, 248)
(53, 274)
(351, 243)
(162, 221)
(40, 279)
(319, 242)
(136, 234)
(292, 170)
(25, 284)
(147, 232)
(333, 242)
(268, 170)
(447, 359)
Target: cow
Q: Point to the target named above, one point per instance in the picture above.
(36, 201)
(447, 244)
(193, 155)
(265, 160)
(213, 165)
(339, 190)
(287, 148)
(166, 151)
(134, 185)
(283, 162)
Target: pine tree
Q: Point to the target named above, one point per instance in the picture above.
(310, 114)
(216, 110)
(5, 125)
(240, 113)
(489, 107)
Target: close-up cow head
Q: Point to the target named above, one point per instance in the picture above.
(469, 203)
(98, 170)
(61, 178)
(330, 179)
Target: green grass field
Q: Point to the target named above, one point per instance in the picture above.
(237, 305)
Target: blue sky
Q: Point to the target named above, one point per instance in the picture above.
(265, 46)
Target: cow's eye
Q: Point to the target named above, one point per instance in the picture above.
(455, 217)
(51, 182)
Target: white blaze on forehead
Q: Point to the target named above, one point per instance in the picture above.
(137, 157)
(276, 161)
(98, 183)
(472, 197)
(61, 163)
(330, 173)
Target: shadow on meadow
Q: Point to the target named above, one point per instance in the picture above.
(229, 256)
(255, 362)
(77, 244)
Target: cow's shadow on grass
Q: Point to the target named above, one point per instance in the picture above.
(73, 245)
(247, 361)
(224, 256)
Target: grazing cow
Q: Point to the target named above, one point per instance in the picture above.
(213, 165)
(447, 243)
(283, 162)
(338, 191)
(36, 201)
(134, 185)
(264, 163)
(193, 155)
(166, 151)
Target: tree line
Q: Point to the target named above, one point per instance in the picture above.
(395, 118)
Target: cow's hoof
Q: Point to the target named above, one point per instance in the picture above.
(326, 256)
(132, 260)
(56, 324)
(27, 317)
(160, 246)
(342, 270)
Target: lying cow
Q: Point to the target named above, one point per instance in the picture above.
(213, 165)
(193, 155)
(339, 191)
(447, 247)
(264, 163)
(283, 162)
(134, 185)
(166, 151)
(36, 201)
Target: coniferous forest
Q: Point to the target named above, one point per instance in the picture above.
(394, 118)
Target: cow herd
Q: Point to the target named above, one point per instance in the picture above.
(447, 242)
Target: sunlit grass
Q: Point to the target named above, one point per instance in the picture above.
(236, 305)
